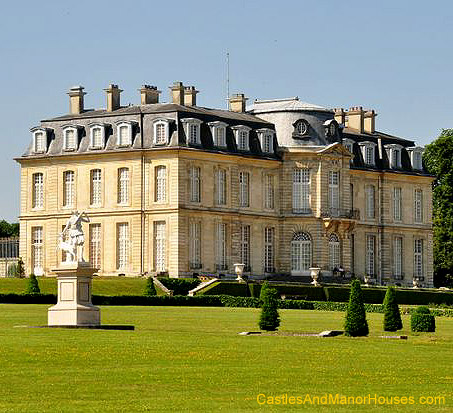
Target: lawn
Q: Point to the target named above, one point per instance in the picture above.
(192, 359)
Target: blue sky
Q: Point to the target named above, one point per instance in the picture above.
(393, 56)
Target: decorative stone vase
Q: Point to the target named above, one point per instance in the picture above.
(366, 278)
(416, 283)
(314, 272)
(239, 270)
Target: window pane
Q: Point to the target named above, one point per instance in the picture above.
(69, 189)
(160, 246)
(38, 190)
(123, 185)
(122, 246)
(161, 183)
(95, 245)
(96, 187)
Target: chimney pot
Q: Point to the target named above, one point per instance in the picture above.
(177, 93)
(149, 94)
(113, 97)
(76, 94)
(190, 96)
(237, 102)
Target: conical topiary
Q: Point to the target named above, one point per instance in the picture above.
(33, 286)
(269, 318)
(392, 316)
(150, 290)
(355, 323)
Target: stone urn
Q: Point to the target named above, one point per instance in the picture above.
(416, 283)
(367, 279)
(239, 270)
(314, 272)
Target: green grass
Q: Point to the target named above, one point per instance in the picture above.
(192, 359)
(101, 285)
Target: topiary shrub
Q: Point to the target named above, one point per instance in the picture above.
(32, 285)
(150, 290)
(422, 320)
(355, 323)
(20, 268)
(269, 317)
(392, 316)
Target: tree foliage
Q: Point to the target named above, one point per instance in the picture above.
(269, 318)
(438, 159)
(150, 289)
(8, 230)
(392, 316)
(33, 286)
(355, 323)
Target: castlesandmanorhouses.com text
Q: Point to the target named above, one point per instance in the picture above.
(331, 399)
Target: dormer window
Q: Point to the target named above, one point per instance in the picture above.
(368, 152)
(348, 144)
(394, 155)
(218, 130)
(192, 130)
(266, 137)
(124, 134)
(416, 155)
(161, 131)
(40, 140)
(241, 134)
(301, 127)
(331, 128)
(97, 136)
(70, 138)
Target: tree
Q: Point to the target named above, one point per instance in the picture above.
(8, 230)
(392, 316)
(150, 290)
(20, 268)
(438, 159)
(355, 323)
(33, 286)
(269, 318)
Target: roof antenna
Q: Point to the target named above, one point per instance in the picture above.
(228, 80)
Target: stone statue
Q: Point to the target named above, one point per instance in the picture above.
(75, 238)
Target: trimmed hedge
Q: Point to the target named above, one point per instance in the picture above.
(232, 288)
(180, 286)
(423, 321)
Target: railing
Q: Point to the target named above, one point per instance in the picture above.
(303, 211)
(221, 267)
(399, 277)
(195, 265)
(419, 278)
(9, 247)
(340, 213)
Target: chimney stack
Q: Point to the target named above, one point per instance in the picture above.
(190, 96)
(355, 118)
(149, 94)
(237, 103)
(369, 121)
(177, 93)
(340, 116)
(76, 94)
(113, 97)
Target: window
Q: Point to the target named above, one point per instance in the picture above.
(244, 197)
(195, 244)
(394, 155)
(124, 134)
(301, 252)
(369, 191)
(123, 186)
(218, 131)
(334, 195)
(245, 246)
(96, 187)
(97, 137)
(161, 132)
(301, 191)
(397, 204)
(269, 235)
(69, 189)
(368, 152)
(192, 130)
(221, 246)
(334, 251)
(122, 248)
(370, 255)
(70, 139)
(160, 246)
(266, 137)
(161, 183)
(398, 257)
(40, 141)
(242, 137)
(37, 250)
(269, 192)
(416, 155)
(418, 258)
(348, 144)
(220, 180)
(38, 190)
(301, 127)
(195, 184)
(95, 245)
(418, 206)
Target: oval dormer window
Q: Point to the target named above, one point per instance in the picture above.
(301, 127)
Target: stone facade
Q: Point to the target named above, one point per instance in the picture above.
(180, 189)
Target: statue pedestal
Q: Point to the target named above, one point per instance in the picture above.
(74, 307)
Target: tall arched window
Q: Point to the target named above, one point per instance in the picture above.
(301, 252)
(334, 251)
